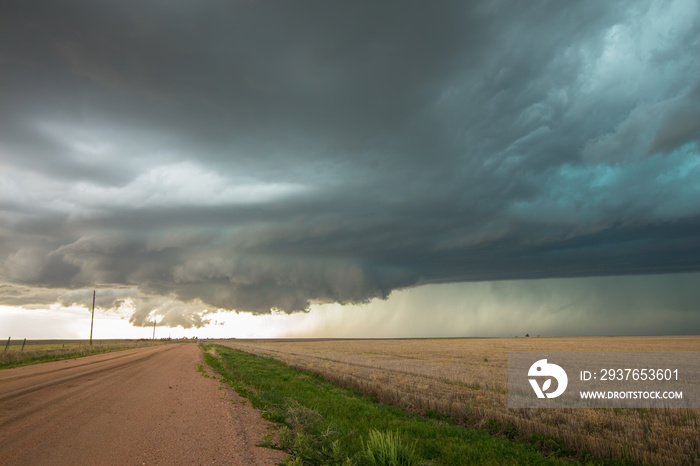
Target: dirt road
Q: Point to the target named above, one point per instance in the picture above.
(142, 406)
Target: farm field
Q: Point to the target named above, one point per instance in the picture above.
(466, 379)
(19, 352)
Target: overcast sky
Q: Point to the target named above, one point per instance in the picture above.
(190, 157)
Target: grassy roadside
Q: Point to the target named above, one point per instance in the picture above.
(326, 424)
(15, 358)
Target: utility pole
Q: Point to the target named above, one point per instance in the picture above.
(92, 321)
(154, 329)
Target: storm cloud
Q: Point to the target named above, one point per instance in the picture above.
(257, 156)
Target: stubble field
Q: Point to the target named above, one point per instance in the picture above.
(466, 379)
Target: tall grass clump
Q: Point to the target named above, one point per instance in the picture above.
(386, 449)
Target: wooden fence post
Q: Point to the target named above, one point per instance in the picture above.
(23, 343)
(8, 343)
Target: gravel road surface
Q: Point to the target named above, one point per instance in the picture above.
(141, 406)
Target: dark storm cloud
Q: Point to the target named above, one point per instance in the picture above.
(259, 155)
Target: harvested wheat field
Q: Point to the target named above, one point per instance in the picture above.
(467, 380)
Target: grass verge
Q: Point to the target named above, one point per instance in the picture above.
(322, 423)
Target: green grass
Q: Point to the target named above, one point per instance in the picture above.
(326, 424)
(46, 352)
(386, 448)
